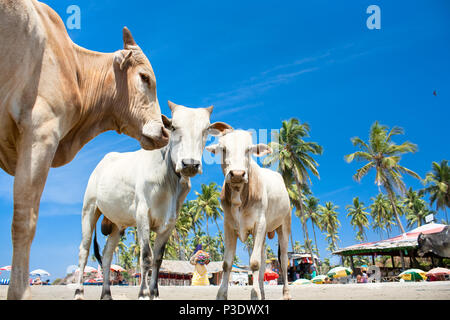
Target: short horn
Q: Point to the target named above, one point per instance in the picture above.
(128, 39)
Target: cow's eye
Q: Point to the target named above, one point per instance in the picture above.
(145, 78)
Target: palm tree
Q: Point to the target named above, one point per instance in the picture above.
(134, 248)
(195, 217)
(439, 181)
(384, 156)
(292, 154)
(295, 200)
(207, 204)
(416, 208)
(359, 217)
(297, 247)
(330, 223)
(249, 245)
(381, 213)
(312, 209)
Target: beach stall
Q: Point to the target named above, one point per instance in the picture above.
(403, 246)
(300, 265)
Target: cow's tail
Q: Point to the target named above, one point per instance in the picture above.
(97, 249)
(279, 259)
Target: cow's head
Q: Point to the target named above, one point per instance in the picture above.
(139, 115)
(236, 149)
(189, 131)
(424, 245)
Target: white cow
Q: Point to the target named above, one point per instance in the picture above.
(145, 189)
(255, 201)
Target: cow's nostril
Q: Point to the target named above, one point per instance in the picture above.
(190, 163)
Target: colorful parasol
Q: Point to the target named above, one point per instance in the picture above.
(413, 275)
(301, 281)
(320, 279)
(339, 272)
(6, 268)
(115, 267)
(438, 272)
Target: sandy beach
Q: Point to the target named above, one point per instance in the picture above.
(371, 291)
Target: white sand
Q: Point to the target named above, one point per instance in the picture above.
(439, 290)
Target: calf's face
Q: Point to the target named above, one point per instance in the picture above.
(189, 131)
(236, 149)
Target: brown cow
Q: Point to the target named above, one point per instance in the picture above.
(55, 97)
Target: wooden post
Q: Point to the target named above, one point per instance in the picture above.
(432, 262)
(351, 263)
(393, 262)
(402, 259)
(373, 259)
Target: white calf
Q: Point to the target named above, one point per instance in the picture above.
(255, 201)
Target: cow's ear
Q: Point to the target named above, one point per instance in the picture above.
(167, 122)
(128, 39)
(260, 150)
(219, 129)
(122, 58)
(213, 148)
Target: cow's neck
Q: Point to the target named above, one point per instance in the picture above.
(98, 96)
(99, 88)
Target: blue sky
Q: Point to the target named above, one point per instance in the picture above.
(260, 63)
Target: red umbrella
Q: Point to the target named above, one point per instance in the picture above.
(438, 272)
(6, 268)
(270, 275)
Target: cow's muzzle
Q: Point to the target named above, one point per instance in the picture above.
(190, 167)
(237, 176)
(154, 136)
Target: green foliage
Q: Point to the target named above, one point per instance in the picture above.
(383, 155)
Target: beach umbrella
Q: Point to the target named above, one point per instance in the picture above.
(6, 268)
(39, 272)
(115, 267)
(88, 269)
(270, 275)
(320, 279)
(339, 272)
(438, 272)
(413, 275)
(302, 281)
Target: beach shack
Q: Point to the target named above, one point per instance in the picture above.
(300, 264)
(179, 273)
(403, 246)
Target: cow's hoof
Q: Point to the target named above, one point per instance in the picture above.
(255, 295)
(287, 296)
(106, 297)
(79, 294)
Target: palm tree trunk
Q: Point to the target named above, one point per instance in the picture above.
(394, 207)
(305, 227)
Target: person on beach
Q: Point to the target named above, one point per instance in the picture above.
(200, 259)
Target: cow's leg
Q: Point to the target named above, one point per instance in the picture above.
(230, 251)
(255, 259)
(283, 241)
(108, 252)
(158, 253)
(36, 150)
(262, 269)
(89, 218)
(143, 232)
